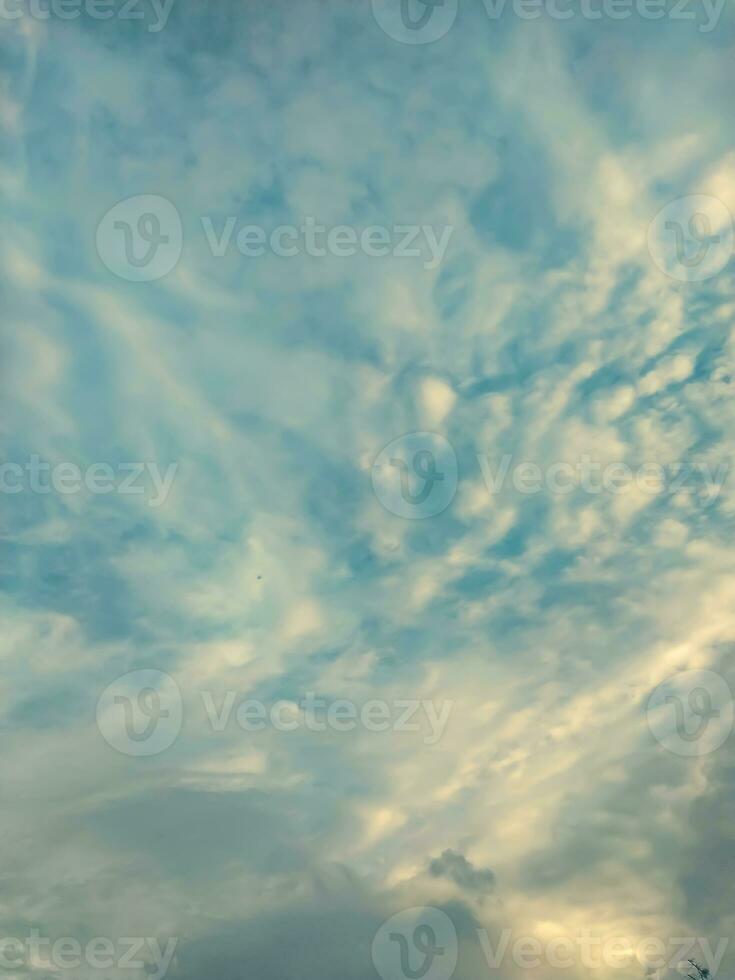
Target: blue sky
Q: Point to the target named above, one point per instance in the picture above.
(556, 322)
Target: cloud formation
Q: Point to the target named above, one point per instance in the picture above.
(271, 568)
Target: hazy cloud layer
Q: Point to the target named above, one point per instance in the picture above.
(270, 568)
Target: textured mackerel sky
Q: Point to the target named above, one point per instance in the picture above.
(367, 414)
